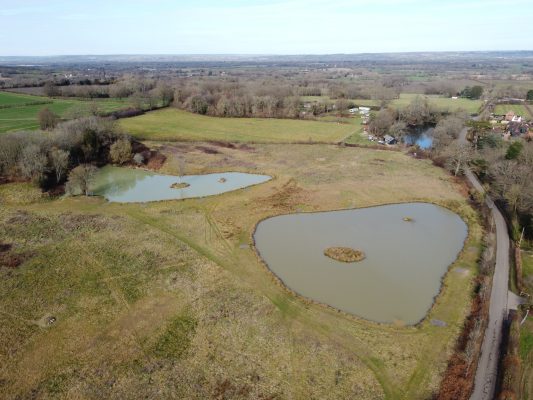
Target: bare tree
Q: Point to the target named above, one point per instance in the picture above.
(512, 183)
(382, 121)
(418, 112)
(458, 155)
(398, 129)
(11, 146)
(47, 119)
(33, 162)
(51, 90)
(59, 160)
(80, 179)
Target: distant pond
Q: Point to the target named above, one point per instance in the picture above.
(127, 185)
(401, 274)
(422, 137)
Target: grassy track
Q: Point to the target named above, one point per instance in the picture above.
(526, 332)
(22, 114)
(172, 124)
(162, 300)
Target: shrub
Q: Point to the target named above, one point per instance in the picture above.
(120, 151)
(138, 158)
(47, 119)
(80, 179)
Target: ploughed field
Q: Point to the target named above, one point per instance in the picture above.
(169, 299)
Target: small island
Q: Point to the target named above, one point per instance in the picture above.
(181, 185)
(344, 254)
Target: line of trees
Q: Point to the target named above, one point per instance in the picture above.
(507, 168)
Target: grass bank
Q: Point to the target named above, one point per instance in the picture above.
(169, 298)
(526, 331)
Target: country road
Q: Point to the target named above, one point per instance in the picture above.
(487, 368)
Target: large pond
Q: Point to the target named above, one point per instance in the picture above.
(401, 274)
(126, 185)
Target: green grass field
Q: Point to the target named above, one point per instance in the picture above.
(518, 109)
(172, 124)
(443, 104)
(20, 116)
(12, 99)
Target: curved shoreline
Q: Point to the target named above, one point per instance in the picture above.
(308, 300)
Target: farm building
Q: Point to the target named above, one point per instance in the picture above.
(517, 128)
(388, 139)
(364, 110)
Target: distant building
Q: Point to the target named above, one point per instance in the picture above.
(388, 139)
(510, 115)
(517, 128)
(364, 110)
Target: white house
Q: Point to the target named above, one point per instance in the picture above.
(364, 110)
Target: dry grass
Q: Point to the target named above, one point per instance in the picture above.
(344, 254)
(161, 300)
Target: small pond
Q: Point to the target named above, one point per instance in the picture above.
(126, 185)
(421, 137)
(401, 274)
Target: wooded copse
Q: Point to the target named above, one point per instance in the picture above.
(46, 158)
(507, 169)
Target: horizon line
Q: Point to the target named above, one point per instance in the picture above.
(263, 54)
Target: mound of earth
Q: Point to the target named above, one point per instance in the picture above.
(179, 185)
(344, 254)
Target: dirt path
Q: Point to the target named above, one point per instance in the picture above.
(487, 368)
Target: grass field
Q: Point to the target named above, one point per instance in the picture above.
(518, 109)
(172, 124)
(22, 116)
(443, 104)
(526, 332)
(169, 300)
(11, 99)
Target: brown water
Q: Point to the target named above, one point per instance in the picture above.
(404, 263)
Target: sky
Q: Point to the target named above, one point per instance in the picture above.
(65, 27)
